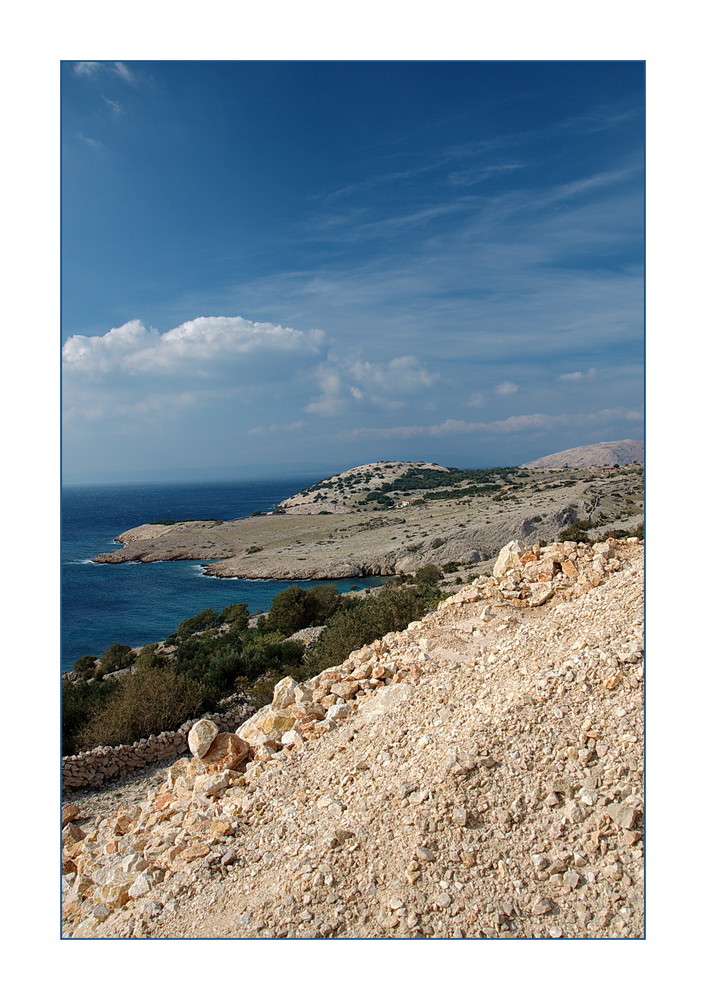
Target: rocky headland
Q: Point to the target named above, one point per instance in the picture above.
(394, 517)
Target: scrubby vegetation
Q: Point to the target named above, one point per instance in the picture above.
(359, 622)
(577, 531)
(216, 654)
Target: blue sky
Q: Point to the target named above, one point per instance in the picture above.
(275, 266)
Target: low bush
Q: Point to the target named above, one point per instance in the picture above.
(362, 621)
(85, 666)
(79, 701)
(117, 657)
(575, 532)
(150, 700)
(207, 618)
(429, 574)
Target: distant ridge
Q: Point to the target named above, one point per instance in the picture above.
(601, 454)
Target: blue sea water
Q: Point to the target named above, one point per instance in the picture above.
(137, 603)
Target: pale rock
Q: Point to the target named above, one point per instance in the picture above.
(345, 689)
(284, 693)
(250, 729)
(211, 784)
(140, 887)
(623, 815)
(278, 722)
(508, 558)
(386, 699)
(336, 713)
(201, 736)
(69, 813)
(72, 834)
(539, 594)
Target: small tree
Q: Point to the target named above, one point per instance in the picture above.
(290, 610)
(148, 701)
(85, 666)
(203, 620)
(236, 615)
(117, 657)
(326, 601)
(429, 574)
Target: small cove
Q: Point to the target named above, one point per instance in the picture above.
(137, 603)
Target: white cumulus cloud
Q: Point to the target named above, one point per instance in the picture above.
(199, 347)
(344, 383)
(506, 388)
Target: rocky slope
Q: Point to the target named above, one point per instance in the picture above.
(477, 775)
(605, 453)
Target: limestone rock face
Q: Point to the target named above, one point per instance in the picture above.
(201, 736)
(226, 751)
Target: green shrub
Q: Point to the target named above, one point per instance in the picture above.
(235, 615)
(85, 666)
(429, 574)
(79, 701)
(147, 657)
(576, 532)
(361, 621)
(148, 701)
(117, 657)
(290, 610)
(198, 623)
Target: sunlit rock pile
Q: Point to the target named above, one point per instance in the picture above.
(478, 774)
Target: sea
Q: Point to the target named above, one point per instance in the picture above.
(139, 603)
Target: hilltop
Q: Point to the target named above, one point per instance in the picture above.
(394, 517)
(603, 454)
(478, 774)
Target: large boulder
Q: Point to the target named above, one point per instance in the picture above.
(201, 736)
(508, 558)
(226, 751)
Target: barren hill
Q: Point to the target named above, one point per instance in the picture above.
(347, 489)
(477, 775)
(605, 453)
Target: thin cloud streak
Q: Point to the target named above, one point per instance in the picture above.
(510, 425)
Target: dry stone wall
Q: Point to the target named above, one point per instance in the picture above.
(93, 768)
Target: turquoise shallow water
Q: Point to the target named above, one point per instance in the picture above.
(138, 603)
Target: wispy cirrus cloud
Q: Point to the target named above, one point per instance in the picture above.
(509, 425)
(95, 70)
